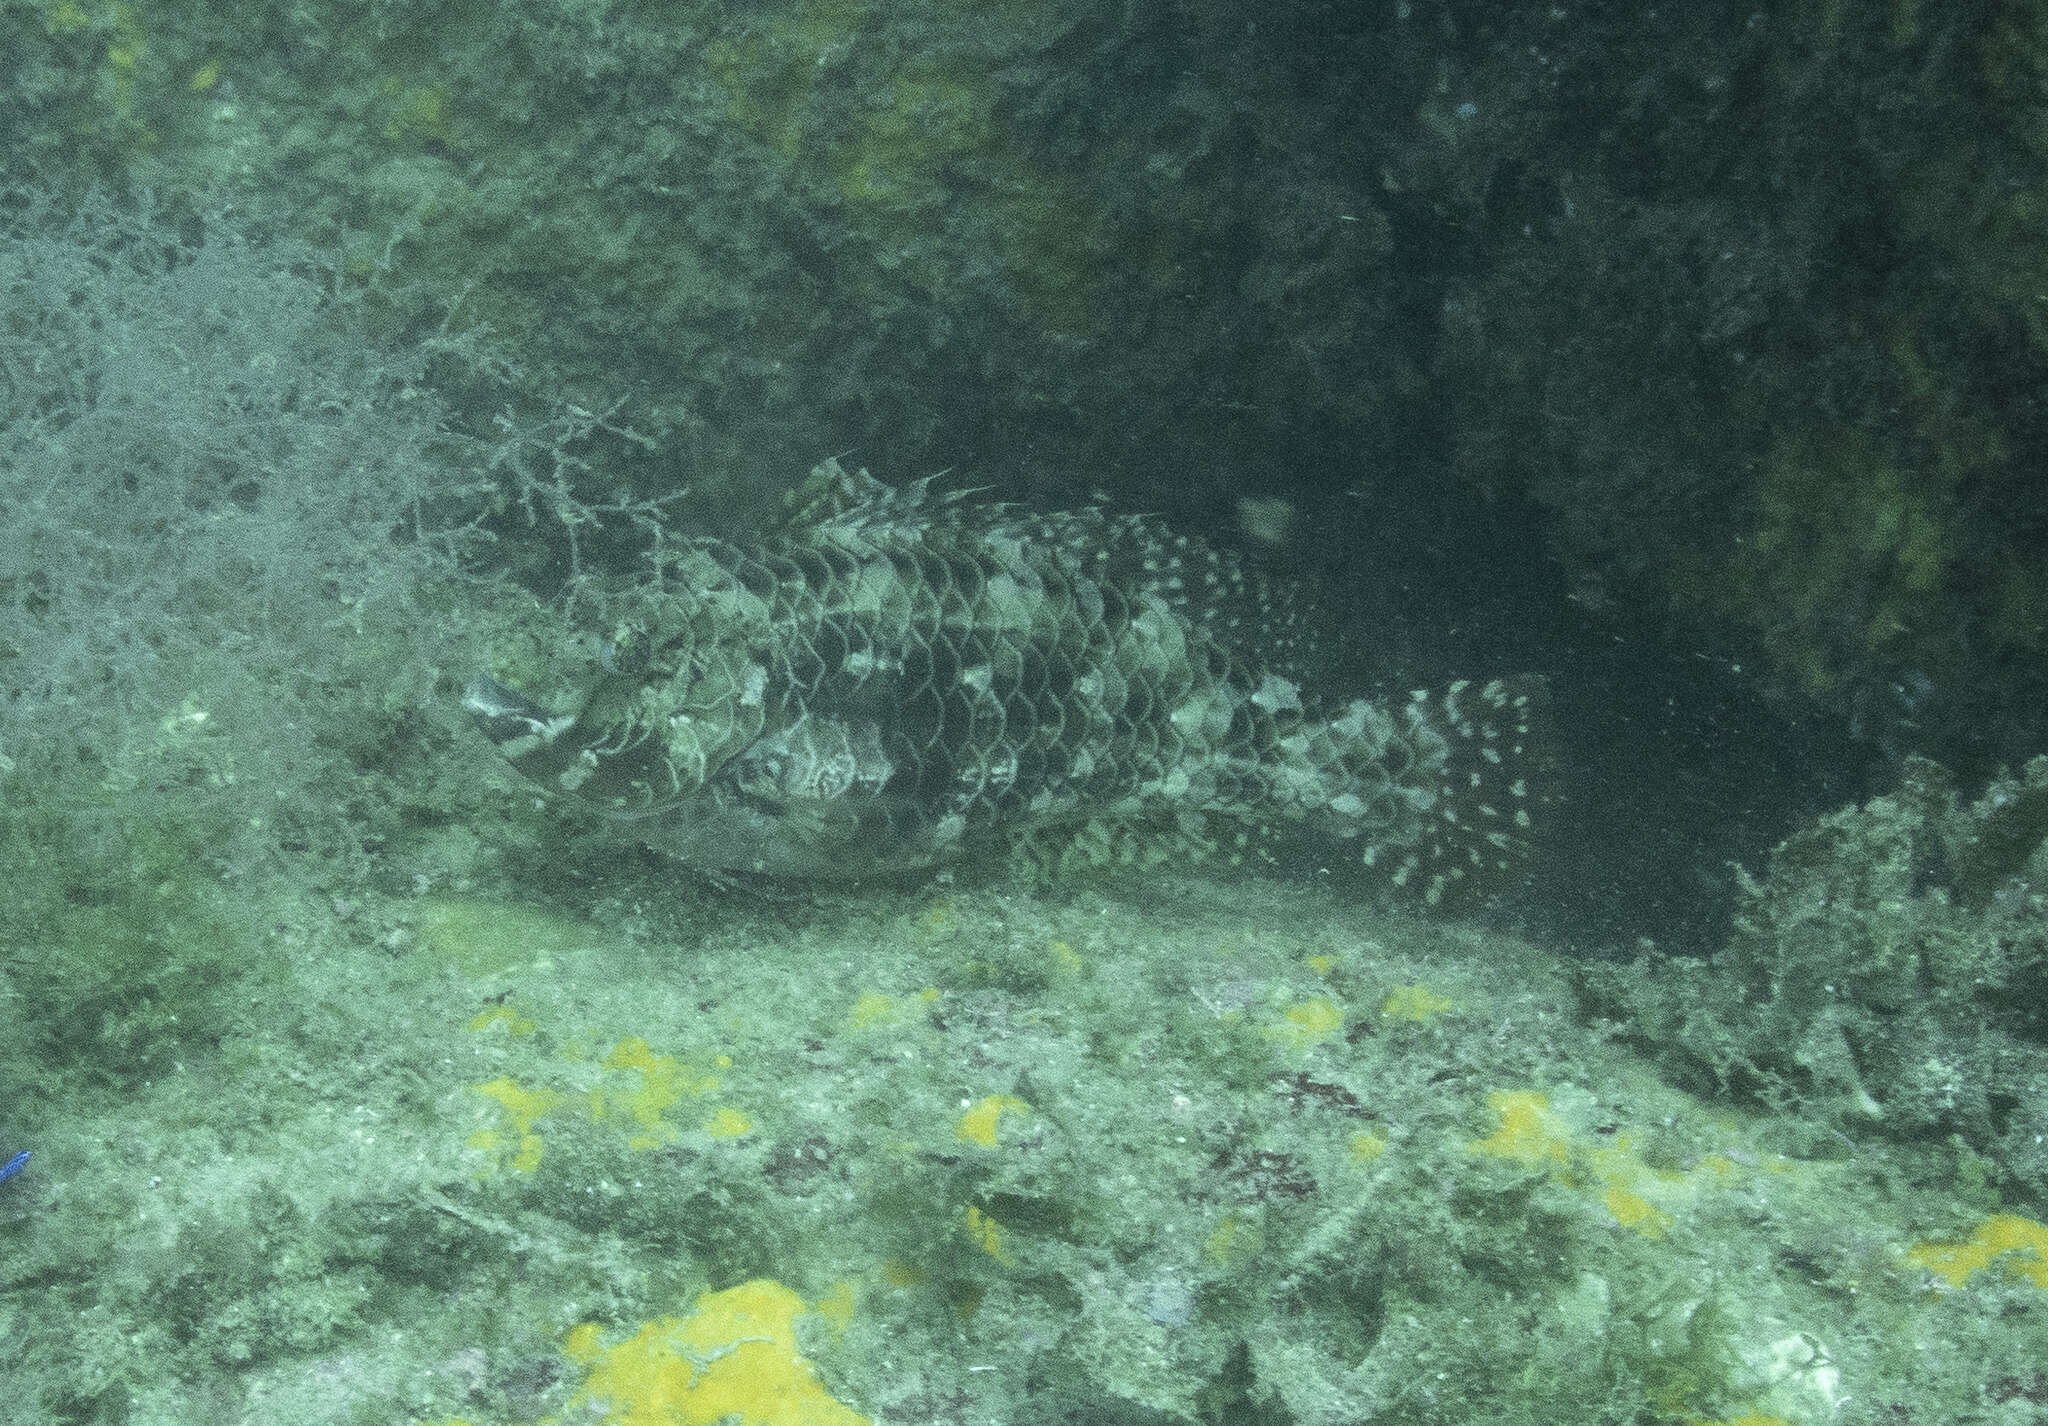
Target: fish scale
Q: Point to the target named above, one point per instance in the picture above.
(893, 680)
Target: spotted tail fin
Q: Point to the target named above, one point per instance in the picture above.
(1498, 784)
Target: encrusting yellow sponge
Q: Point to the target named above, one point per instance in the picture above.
(734, 1358)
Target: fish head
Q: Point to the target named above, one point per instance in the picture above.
(650, 732)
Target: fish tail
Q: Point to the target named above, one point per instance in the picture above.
(1496, 785)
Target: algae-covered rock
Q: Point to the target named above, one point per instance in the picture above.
(1888, 972)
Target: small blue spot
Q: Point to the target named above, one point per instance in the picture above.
(13, 1165)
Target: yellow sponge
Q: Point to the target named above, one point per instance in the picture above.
(2018, 1245)
(734, 1358)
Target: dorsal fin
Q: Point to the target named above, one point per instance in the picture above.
(832, 493)
(834, 500)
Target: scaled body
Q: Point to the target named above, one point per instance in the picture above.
(894, 679)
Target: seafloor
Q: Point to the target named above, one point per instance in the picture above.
(1152, 1148)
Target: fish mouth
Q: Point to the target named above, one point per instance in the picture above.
(615, 764)
(508, 718)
